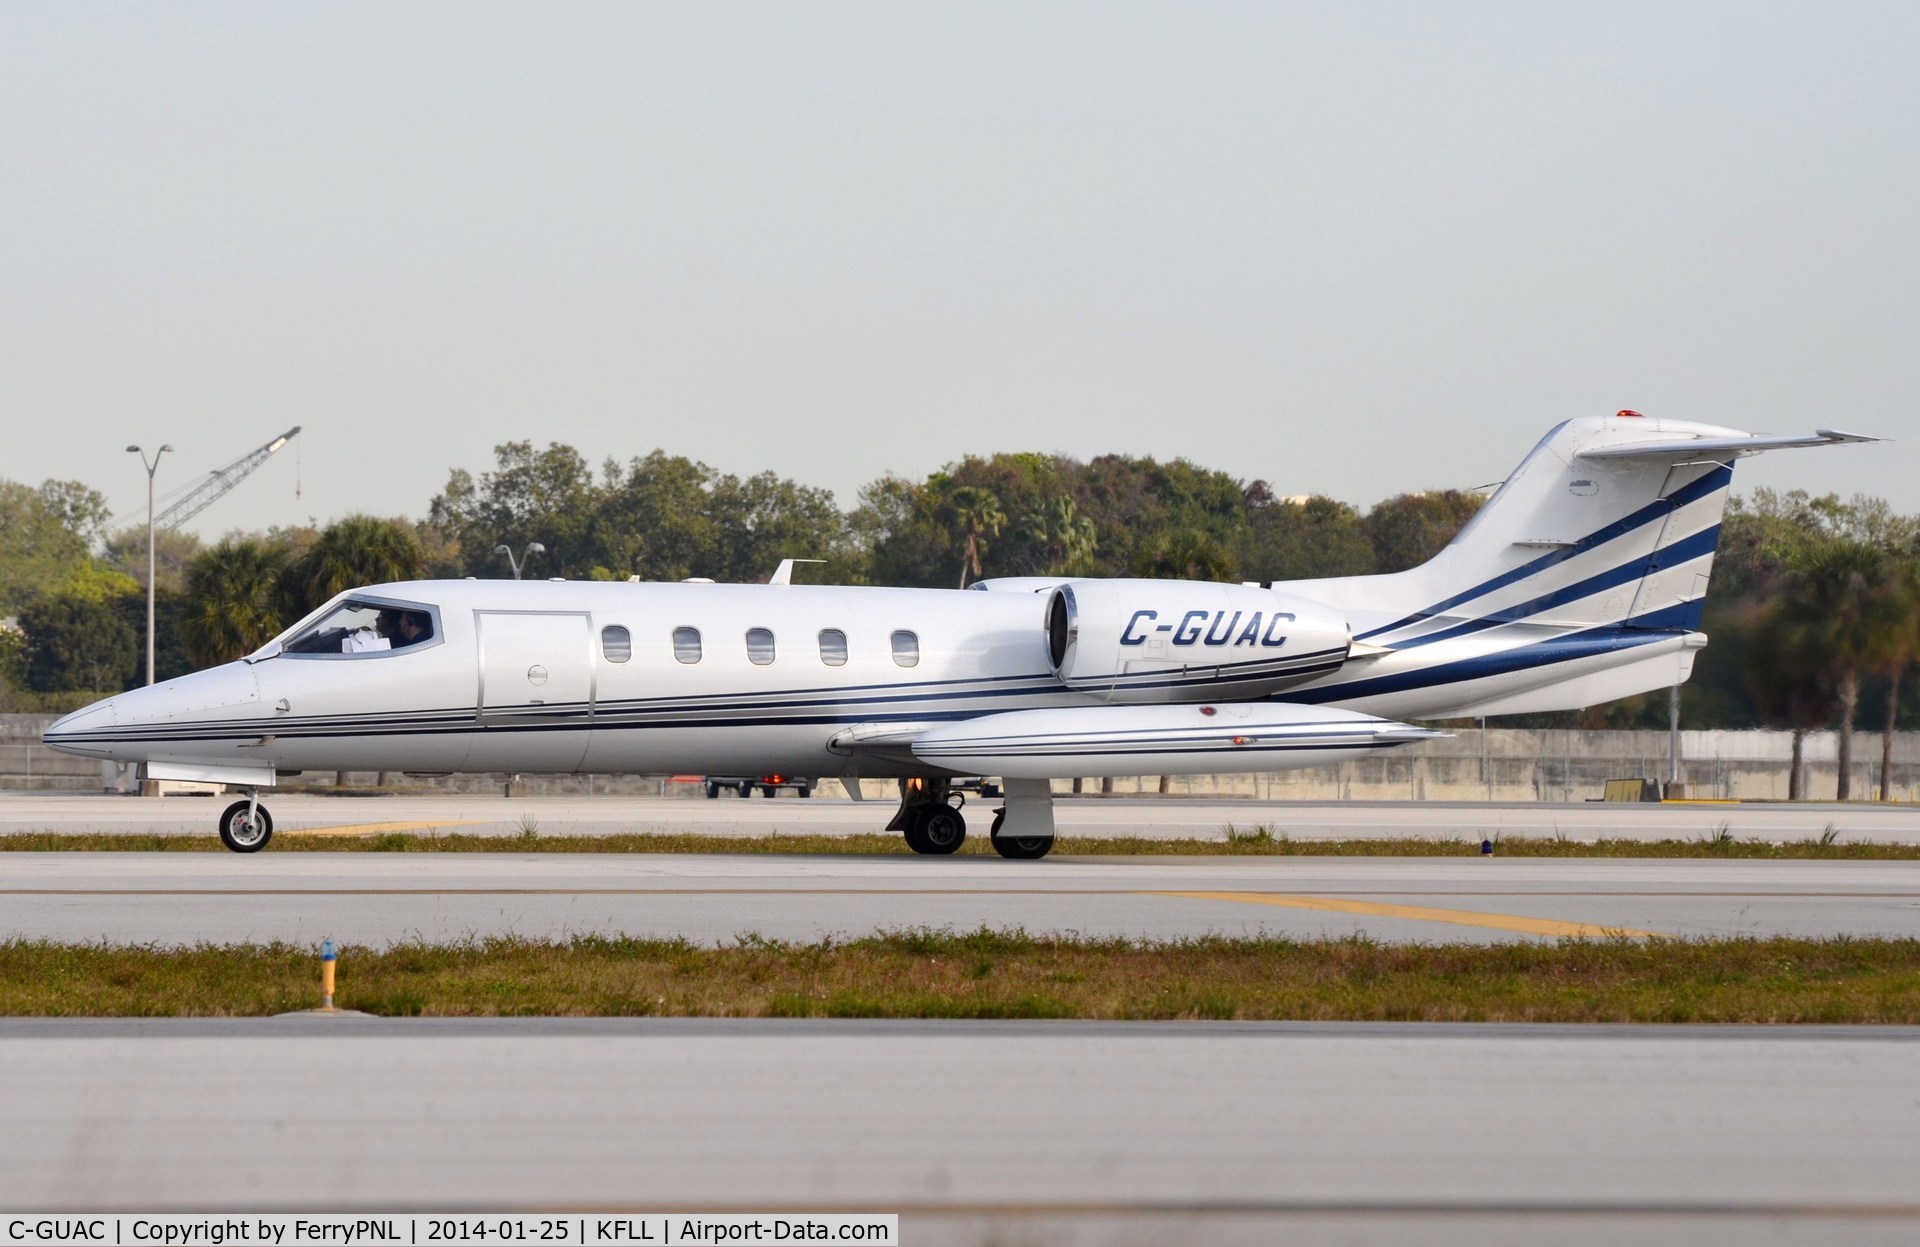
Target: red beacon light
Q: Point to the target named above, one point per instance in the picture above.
(1630, 415)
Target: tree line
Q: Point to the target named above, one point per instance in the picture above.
(1814, 609)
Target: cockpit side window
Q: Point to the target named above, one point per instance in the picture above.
(366, 627)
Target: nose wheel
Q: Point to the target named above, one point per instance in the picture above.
(246, 826)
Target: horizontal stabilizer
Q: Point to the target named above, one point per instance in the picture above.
(1158, 740)
(1721, 447)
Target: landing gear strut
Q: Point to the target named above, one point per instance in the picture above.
(246, 826)
(1019, 848)
(1023, 828)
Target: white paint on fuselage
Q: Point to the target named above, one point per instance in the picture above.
(1579, 581)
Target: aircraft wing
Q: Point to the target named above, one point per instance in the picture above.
(1128, 740)
(1717, 447)
(891, 741)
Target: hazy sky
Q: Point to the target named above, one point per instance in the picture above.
(1352, 249)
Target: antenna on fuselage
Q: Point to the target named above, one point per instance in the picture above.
(783, 574)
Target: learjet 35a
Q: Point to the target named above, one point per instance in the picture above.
(1578, 582)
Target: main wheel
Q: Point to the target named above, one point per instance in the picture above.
(713, 790)
(244, 835)
(937, 830)
(804, 790)
(746, 789)
(1019, 848)
(767, 790)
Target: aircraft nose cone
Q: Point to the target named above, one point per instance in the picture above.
(128, 725)
(70, 732)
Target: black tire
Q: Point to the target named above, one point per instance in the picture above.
(713, 791)
(937, 830)
(238, 835)
(1018, 848)
(804, 790)
(1023, 848)
(767, 790)
(746, 789)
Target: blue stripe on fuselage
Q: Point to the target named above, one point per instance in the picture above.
(1610, 638)
(1685, 550)
(1660, 508)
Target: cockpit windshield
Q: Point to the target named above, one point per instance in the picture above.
(366, 626)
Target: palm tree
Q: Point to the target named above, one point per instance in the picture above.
(233, 600)
(978, 513)
(1782, 670)
(359, 550)
(1190, 554)
(1838, 585)
(1896, 646)
(1066, 535)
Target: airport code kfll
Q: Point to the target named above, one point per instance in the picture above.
(415, 1230)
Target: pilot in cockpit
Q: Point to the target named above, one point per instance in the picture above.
(403, 628)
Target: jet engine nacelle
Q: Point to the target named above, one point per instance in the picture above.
(1182, 641)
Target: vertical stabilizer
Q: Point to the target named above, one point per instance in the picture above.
(1610, 521)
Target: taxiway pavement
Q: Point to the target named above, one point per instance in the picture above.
(379, 899)
(981, 1132)
(1155, 817)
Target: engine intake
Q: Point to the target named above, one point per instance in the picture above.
(1177, 640)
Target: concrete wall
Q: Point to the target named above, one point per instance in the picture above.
(25, 763)
(1507, 764)
(1503, 763)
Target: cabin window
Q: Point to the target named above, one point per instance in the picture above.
(759, 647)
(361, 627)
(906, 649)
(616, 643)
(686, 644)
(833, 647)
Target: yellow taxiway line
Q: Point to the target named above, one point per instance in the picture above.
(375, 829)
(1422, 913)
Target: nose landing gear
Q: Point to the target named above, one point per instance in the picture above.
(246, 826)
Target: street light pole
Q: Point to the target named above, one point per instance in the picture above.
(151, 469)
(533, 548)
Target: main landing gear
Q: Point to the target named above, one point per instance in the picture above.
(246, 826)
(930, 818)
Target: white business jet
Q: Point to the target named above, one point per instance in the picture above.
(1579, 581)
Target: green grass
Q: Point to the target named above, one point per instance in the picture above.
(1257, 842)
(989, 974)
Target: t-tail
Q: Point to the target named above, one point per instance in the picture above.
(1581, 580)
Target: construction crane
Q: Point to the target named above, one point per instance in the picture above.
(218, 482)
